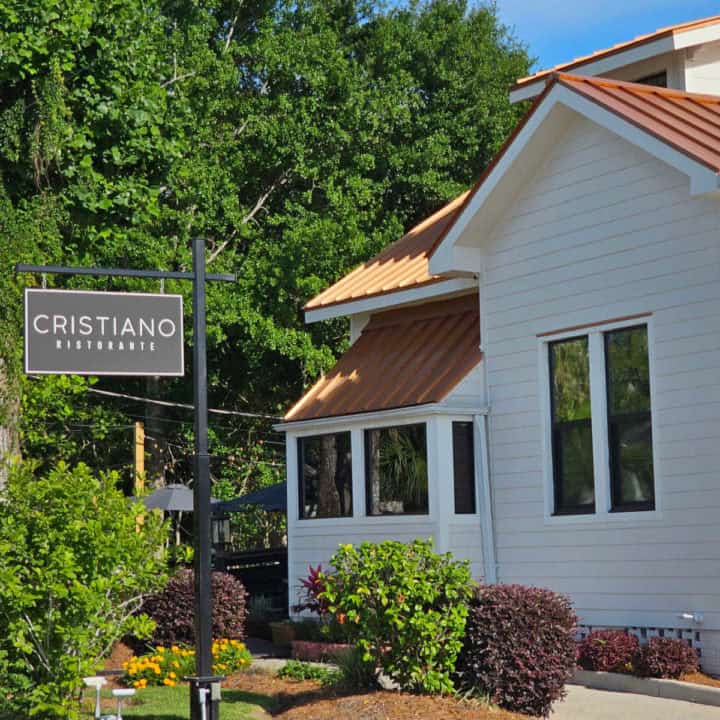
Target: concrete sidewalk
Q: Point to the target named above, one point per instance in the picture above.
(585, 704)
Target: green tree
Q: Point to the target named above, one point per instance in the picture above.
(75, 566)
(298, 138)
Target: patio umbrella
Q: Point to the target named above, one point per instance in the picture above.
(272, 498)
(171, 498)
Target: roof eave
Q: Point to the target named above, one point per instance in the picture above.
(433, 289)
(612, 60)
(435, 408)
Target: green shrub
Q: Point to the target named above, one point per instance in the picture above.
(298, 670)
(74, 568)
(405, 607)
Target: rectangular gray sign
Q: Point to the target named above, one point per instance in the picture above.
(78, 332)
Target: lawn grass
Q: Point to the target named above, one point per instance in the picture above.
(172, 703)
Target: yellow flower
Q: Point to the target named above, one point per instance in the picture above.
(170, 683)
(172, 675)
(175, 664)
(160, 649)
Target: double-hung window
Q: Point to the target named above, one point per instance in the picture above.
(600, 435)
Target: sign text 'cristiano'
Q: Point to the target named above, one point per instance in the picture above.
(77, 332)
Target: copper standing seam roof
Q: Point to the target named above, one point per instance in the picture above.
(400, 266)
(405, 357)
(620, 47)
(689, 122)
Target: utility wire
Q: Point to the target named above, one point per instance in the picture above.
(167, 403)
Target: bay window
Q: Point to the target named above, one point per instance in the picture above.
(600, 425)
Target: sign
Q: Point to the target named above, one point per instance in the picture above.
(78, 332)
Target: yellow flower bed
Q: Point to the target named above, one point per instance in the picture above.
(168, 665)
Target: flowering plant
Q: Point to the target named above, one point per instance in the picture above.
(168, 665)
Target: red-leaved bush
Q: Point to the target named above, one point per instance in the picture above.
(311, 590)
(173, 609)
(609, 651)
(666, 658)
(519, 647)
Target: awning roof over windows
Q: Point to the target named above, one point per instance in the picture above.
(406, 357)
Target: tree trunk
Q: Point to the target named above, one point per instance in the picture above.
(328, 495)
(9, 414)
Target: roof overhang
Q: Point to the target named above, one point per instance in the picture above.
(613, 59)
(382, 301)
(380, 416)
(510, 165)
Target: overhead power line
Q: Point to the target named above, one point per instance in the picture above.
(167, 403)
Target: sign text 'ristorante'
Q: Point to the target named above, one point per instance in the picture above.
(103, 333)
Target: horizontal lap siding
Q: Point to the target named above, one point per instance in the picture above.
(605, 231)
(465, 543)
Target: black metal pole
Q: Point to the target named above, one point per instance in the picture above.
(201, 490)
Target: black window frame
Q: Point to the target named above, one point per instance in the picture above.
(556, 429)
(301, 478)
(471, 485)
(616, 506)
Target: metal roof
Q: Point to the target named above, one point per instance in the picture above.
(620, 47)
(412, 356)
(689, 122)
(400, 266)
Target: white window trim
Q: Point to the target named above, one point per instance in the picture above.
(598, 401)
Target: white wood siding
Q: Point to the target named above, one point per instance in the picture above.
(702, 69)
(603, 231)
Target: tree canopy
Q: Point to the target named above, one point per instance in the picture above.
(297, 136)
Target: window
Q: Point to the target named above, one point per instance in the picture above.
(325, 476)
(656, 79)
(629, 422)
(572, 444)
(464, 467)
(600, 432)
(396, 470)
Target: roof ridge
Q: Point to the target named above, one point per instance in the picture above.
(618, 47)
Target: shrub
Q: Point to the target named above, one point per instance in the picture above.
(405, 608)
(167, 666)
(519, 647)
(608, 651)
(74, 568)
(666, 658)
(173, 610)
(311, 593)
(298, 670)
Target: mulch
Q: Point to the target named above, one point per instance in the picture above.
(701, 679)
(307, 700)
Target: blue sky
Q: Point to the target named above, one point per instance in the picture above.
(559, 30)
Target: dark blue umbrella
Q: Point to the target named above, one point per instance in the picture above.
(272, 498)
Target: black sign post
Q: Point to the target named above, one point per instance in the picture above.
(204, 687)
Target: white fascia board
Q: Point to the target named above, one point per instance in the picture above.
(696, 36)
(392, 299)
(602, 65)
(372, 418)
(702, 179)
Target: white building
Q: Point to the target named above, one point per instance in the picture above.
(534, 375)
